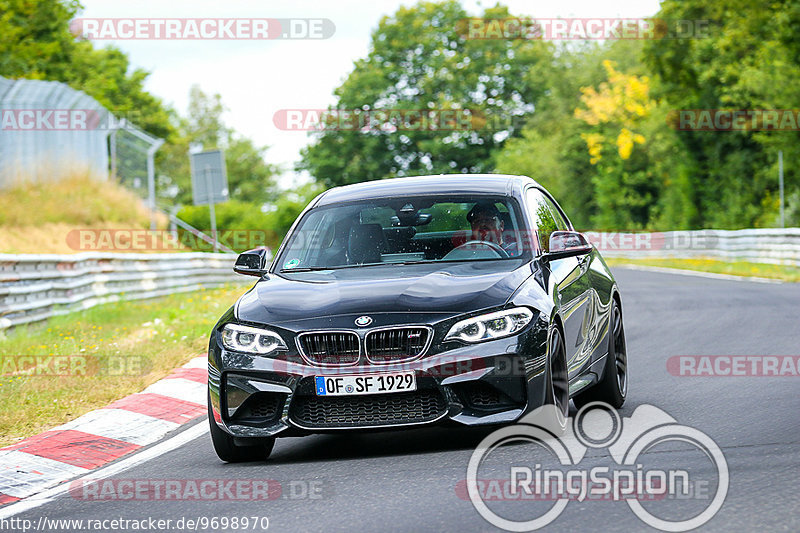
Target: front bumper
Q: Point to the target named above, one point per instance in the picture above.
(492, 382)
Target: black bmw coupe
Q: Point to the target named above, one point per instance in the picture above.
(454, 299)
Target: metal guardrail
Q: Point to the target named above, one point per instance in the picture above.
(775, 246)
(176, 223)
(36, 287)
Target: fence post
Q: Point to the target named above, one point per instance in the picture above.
(151, 180)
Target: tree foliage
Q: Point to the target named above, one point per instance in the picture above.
(597, 121)
(250, 178)
(421, 59)
(590, 121)
(750, 60)
(37, 44)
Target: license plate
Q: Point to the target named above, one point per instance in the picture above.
(365, 384)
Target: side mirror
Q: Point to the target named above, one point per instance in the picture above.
(252, 262)
(567, 244)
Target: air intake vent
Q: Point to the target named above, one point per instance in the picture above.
(333, 348)
(396, 344)
(415, 407)
(260, 408)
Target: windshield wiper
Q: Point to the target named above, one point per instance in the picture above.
(417, 262)
(342, 267)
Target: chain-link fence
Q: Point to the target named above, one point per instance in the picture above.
(49, 130)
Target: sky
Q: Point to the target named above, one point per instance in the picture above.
(256, 78)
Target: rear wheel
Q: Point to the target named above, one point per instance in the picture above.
(230, 452)
(613, 388)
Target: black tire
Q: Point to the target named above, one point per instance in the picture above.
(557, 394)
(230, 452)
(613, 387)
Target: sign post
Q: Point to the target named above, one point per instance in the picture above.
(209, 184)
(780, 183)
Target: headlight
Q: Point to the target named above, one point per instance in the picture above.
(251, 340)
(491, 326)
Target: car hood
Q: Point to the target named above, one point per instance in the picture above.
(423, 288)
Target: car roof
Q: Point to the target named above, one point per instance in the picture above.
(504, 184)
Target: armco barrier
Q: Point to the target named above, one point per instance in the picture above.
(776, 246)
(36, 287)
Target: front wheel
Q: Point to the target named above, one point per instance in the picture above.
(613, 388)
(553, 414)
(229, 451)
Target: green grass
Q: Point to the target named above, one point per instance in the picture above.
(151, 337)
(78, 200)
(734, 268)
(37, 217)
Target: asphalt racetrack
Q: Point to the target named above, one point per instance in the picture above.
(408, 481)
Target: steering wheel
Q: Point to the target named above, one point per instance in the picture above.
(493, 246)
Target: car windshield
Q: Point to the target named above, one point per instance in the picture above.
(411, 229)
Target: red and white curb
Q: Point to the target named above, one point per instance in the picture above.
(104, 435)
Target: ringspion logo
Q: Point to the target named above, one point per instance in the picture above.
(690, 497)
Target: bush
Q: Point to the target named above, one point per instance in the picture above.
(242, 225)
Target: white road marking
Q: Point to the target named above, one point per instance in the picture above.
(122, 425)
(193, 432)
(179, 388)
(197, 362)
(698, 273)
(24, 474)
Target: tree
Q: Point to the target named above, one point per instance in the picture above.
(551, 149)
(749, 60)
(36, 43)
(421, 59)
(250, 177)
(625, 187)
(105, 74)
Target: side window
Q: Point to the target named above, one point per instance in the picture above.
(561, 222)
(542, 218)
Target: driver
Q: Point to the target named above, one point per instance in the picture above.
(487, 225)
